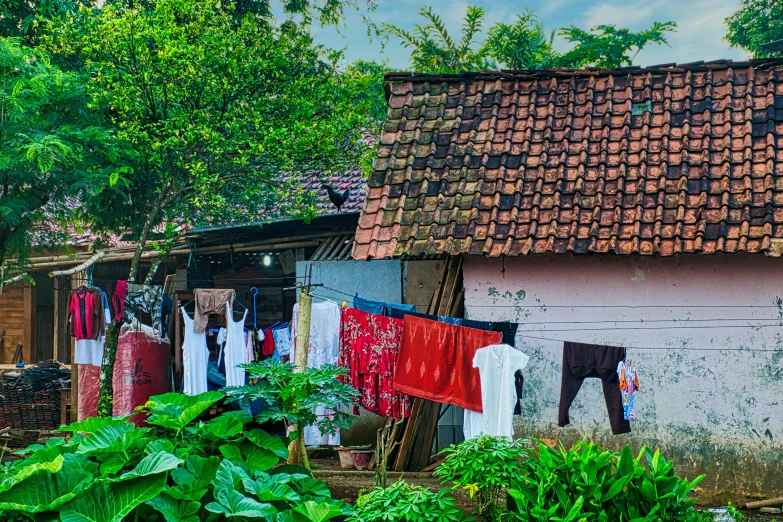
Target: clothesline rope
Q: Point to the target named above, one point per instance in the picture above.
(522, 334)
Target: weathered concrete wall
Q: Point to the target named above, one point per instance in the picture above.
(381, 280)
(705, 333)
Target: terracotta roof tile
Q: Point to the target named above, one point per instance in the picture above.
(656, 161)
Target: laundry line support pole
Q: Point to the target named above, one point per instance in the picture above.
(297, 453)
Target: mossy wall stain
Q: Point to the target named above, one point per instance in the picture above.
(706, 334)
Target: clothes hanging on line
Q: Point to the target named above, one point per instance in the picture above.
(147, 299)
(435, 362)
(323, 349)
(508, 329)
(85, 317)
(210, 301)
(195, 356)
(380, 307)
(118, 299)
(235, 349)
(629, 385)
(282, 337)
(496, 365)
(581, 361)
(369, 344)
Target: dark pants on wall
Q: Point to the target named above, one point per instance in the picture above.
(581, 361)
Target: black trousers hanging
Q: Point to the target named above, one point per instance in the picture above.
(582, 361)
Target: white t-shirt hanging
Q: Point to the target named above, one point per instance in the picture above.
(496, 364)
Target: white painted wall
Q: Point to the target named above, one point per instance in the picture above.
(706, 334)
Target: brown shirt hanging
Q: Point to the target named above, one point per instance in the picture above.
(210, 301)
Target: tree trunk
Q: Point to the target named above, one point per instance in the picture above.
(142, 242)
(296, 450)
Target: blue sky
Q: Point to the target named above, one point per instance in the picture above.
(699, 36)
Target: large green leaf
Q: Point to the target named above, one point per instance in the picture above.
(197, 473)
(268, 442)
(44, 491)
(229, 476)
(268, 490)
(227, 426)
(52, 466)
(111, 502)
(93, 424)
(318, 512)
(151, 464)
(177, 410)
(311, 487)
(111, 439)
(175, 510)
(234, 504)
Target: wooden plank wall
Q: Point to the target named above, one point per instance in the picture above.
(16, 311)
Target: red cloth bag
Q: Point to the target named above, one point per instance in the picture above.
(142, 368)
(89, 390)
(435, 362)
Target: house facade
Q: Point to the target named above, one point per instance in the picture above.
(640, 208)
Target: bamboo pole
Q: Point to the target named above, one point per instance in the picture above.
(94, 259)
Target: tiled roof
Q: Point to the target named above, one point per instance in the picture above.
(656, 161)
(352, 179)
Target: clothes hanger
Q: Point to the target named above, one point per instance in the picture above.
(254, 291)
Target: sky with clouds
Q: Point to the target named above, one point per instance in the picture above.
(699, 36)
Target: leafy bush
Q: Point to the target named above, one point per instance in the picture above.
(587, 483)
(403, 502)
(485, 467)
(177, 470)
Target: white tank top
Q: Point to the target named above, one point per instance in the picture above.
(195, 356)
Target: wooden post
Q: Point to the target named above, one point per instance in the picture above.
(28, 331)
(297, 450)
(75, 282)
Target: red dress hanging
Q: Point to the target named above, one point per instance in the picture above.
(368, 349)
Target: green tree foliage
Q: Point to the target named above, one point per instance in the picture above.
(23, 19)
(521, 45)
(215, 110)
(756, 23)
(49, 142)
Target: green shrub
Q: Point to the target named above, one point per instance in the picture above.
(587, 483)
(485, 467)
(178, 469)
(403, 502)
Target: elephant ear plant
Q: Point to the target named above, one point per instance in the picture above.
(177, 469)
